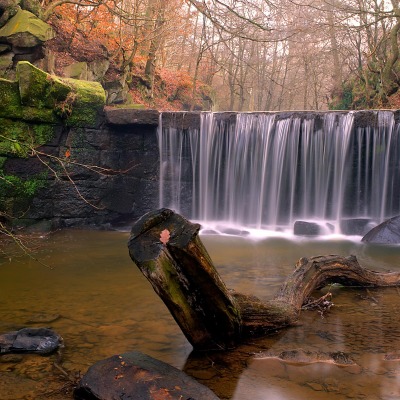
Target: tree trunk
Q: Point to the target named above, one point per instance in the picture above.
(167, 249)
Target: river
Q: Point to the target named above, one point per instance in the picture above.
(92, 294)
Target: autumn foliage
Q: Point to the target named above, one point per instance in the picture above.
(127, 35)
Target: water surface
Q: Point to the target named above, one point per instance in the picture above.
(99, 302)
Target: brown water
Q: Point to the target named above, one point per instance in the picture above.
(98, 301)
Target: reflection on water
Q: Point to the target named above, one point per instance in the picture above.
(101, 304)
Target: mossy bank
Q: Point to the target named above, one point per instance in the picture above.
(66, 160)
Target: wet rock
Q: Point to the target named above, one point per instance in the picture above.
(30, 340)
(355, 226)
(300, 356)
(140, 377)
(388, 232)
(304, 228)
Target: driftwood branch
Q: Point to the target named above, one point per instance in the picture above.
(167, 249)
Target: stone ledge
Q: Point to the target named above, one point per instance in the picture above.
(128, 116)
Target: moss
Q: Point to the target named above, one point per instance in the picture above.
(41, 97)
(11, 106)
(2, 161)
(25, 22)
(16, 193)
(84, 106)
(38, 88)
(17, 137)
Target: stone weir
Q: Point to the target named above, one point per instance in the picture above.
(68, 160)
(97, 176)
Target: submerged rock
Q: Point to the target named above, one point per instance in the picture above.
(300, 356)
(388, 232)
(140, 377)
(30, 340)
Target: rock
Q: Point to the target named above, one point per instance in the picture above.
(6, 64)
(25, 29)
(8, 8)
(85, 107)
(131, 116)
(93, 71)
(38, 88)
(355, 226)
(30, 340)
(78, 70)
(97, 69)
(40, 97)
(300, 357)
(388, 232)
(12, 108)
(304, 228)
(137, 376)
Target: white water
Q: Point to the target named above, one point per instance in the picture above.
(266, 171)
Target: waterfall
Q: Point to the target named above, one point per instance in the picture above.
(269, 170)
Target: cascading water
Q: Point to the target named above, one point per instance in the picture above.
(269, 170)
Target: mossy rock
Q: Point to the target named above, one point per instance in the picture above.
(84, 105)
(38, 88)
(25, 29)
(11, 106)
(17, 137)
(41, 97)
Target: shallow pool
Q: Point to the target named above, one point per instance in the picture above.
(99, 302)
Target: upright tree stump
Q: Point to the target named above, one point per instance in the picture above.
(167, 249)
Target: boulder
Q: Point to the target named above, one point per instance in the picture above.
(38, 88)
(304, 228)
(138, 376)
(24, 30)
(78, 70)
(37, 96)
(355, 226)
(11, 106)
(30, 340)
(8, 8)
(84, 108)
(388, 232)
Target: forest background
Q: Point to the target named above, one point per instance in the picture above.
(240, 55)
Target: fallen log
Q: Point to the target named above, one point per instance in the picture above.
(167, 249)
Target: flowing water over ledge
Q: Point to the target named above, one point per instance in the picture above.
(100, 303)
(271, 170)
